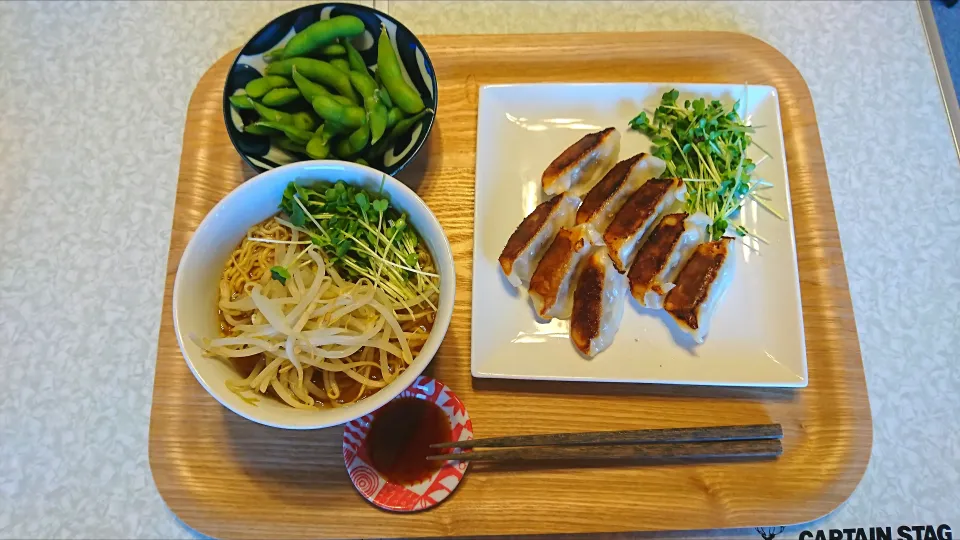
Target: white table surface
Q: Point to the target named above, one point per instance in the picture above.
(92, 104)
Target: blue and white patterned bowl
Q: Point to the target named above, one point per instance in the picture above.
(258, 151)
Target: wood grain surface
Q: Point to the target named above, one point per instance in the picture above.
(228, 477)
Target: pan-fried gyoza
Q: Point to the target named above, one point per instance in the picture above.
(628, 235)
(551, 287)
(669, 244)
(578, 167)
(607, 197)
(536, 231)
(597, 304)
(700, 286)
(641, 210)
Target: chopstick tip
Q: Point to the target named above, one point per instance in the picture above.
(444, 445)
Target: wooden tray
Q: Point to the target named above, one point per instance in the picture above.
(226, 476)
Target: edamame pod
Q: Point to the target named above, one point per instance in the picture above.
(401, 128)
(280, 96)
(241, 101)
(377, 118)
(274, 55)
(333, 49)
(353, 144)
(360, 138)
(327, 132)
(354, 59)
(296, 135)
(311, 90)
(349, 116)
(364, 83)
(322, 33)
(304, 120)
(308, 88)
(340, 64)
(391, 74)
(318, 148)
(385, 97)
(376, 111)
(290, 145)
(317, 71)
(258, 88)
(394, 115)
(254, 129)
(361, 161)
(342, 149)
(331, 129)
(272, 115)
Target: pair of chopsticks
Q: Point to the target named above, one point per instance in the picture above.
(718, 442)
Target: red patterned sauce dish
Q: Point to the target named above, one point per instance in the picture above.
(386, 451)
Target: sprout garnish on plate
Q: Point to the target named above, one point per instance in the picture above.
(706, 145)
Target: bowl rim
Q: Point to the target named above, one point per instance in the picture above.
(443, 257)
(227, 120)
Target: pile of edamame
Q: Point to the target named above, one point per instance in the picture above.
(319, 99)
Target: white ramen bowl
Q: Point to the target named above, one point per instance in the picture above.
(195, 288)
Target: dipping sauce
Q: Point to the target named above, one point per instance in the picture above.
(400, 437)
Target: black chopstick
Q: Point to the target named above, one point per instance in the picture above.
(640, 436)
(762, 448)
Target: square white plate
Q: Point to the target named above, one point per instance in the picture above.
(756, 337)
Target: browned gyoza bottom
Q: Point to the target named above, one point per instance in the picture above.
(694, 281)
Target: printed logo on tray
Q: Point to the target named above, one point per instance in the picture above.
(901, 532)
